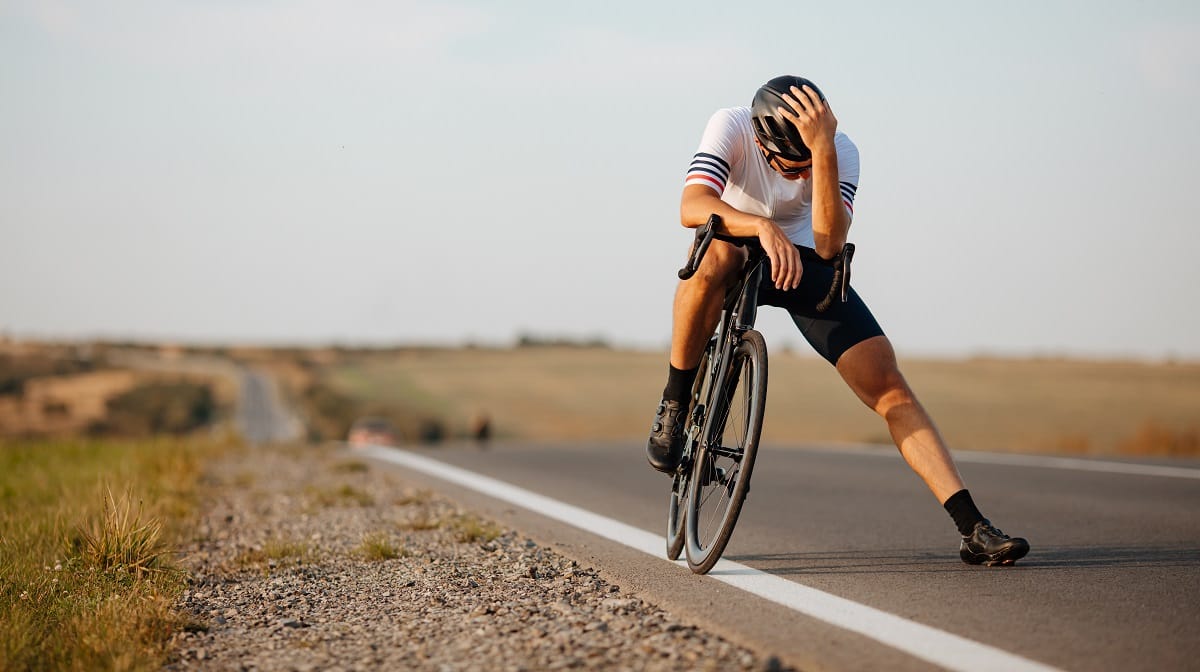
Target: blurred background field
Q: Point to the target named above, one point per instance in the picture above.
(102, 445)
(95, 389)
(556, 391)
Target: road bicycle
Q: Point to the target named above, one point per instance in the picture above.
(728, 402)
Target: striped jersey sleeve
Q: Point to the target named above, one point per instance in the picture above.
(720, 147)
(848, 190)
(848, 169)
(710, 170)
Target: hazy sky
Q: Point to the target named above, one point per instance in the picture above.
(398, 171)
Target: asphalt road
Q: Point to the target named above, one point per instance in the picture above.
(262, 417)
(1112, 582)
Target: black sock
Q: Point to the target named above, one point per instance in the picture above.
(679, 384)
(962, 509)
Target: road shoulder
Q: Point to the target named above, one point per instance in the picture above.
(311, 558)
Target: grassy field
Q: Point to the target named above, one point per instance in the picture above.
(58, 390)
(542, 393)
(87, 580)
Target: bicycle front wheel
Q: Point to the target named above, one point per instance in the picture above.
(676, 514)
(723, 462)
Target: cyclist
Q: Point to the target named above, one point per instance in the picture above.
(781, 171)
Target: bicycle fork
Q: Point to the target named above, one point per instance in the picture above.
(741, 315)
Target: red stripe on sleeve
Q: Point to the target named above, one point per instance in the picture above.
(720, 187)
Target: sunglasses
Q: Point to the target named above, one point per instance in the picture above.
(783, 170)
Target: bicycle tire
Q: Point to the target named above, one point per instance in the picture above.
(676, 512)
(677, 506)
(720, 471)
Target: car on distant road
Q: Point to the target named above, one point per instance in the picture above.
(372, 431)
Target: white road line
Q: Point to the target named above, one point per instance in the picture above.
(930, 644)
(1044, 461)
(1079, 464)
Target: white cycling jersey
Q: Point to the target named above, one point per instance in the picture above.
(731, 164)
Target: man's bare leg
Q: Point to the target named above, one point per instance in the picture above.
(698, 303)
(870, 369)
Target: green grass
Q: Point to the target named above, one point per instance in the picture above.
(87, 530)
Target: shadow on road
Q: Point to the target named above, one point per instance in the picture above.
(931, 561)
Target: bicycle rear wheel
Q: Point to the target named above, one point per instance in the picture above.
(723, 462)
(677, 509)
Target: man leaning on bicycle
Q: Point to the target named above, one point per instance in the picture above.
(781, 171)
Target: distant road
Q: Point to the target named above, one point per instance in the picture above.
(1112, 582)
(262, 416)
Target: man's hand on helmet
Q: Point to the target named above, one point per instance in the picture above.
(812, 117)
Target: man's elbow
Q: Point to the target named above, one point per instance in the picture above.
(829, 246)
(692, 214)
(828, 251)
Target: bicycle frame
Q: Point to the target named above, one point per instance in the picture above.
(738, 315)
(720, 448)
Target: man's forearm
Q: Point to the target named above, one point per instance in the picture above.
(831, 222)
(699, 202)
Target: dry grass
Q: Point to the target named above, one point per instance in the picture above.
(351, 467)
(121, 540)
(61, 405)
(275, 552)
(469, 528)
(419, 521)
(572, 394)
(409, 497)
(51, 390)
(1153, 439)
(378, 546)
(342, 495)
(86, 581)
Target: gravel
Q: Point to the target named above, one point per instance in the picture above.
(310, 559)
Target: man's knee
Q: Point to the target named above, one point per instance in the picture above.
(894, 394)
(870, 369)
(719, 267)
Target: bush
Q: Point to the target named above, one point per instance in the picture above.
(15, 371)
(158, 408)
(331, 414)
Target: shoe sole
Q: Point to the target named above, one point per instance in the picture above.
(669, 472)
(664, 470)
(668, 467)
(1006, 558)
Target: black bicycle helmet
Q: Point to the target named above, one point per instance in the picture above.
(777, 134)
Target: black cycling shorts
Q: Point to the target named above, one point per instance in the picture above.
(832, 332)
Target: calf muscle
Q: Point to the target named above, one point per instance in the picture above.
(870, 369)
